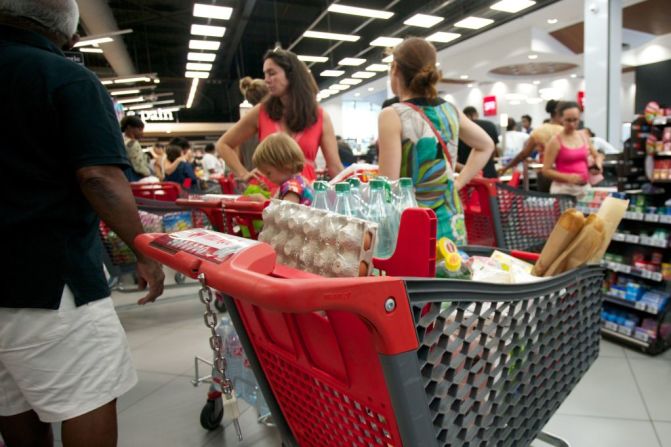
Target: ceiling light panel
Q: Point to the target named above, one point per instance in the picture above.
(443, 37)
(307, 58)
(332, 73)
(124, 92)
(473, 23)
(212, 11)
(132, 80)
(141, 106)
(201, 57)
(363, 74)
(210, 45)
(363, 12)
(130, 100)
(377, 67)
(192, 93)
(208, 30)
(384, 41)
(91, 50)
(423, 21)
(93, 42)
(350, 81)
(331, 36)
(339, 87)
(198, 66)
(389, 59)
(352, 61)
(512, 6)
(197, 74)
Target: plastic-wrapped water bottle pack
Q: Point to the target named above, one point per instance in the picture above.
(319, 241)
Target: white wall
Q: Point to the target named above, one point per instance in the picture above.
(354, 119)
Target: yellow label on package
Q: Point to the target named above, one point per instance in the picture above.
(508, 262)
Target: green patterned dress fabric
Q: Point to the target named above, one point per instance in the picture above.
(423, 160)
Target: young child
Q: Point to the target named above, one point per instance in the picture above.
(281, 160)
(184, 174)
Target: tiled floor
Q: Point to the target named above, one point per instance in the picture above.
(623, 401)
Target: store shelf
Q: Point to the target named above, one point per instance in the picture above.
(625, 334)
(634, 271)
(637, 305)
(661, 121)
(643, 217)
(641, 240)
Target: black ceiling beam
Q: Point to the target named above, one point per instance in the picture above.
(233, 44)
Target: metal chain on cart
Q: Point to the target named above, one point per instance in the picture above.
(217, 345)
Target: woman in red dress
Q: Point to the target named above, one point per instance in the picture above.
(290, 107)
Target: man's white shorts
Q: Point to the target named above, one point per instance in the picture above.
(62, 363)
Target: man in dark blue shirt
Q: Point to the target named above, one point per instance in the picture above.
(63, 353)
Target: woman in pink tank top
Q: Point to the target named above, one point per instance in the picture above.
(290, 107)
(566, 156)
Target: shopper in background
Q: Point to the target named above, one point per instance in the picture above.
(345, 152)
(526, 124)
(601, 144)
(186, 154)
(418, 137)
(538, 138)
(183, 173)
(254, 91)
(63, 352)
(212, 165)
(133, 129)
(513, 142)
(566, 155)
(281, 160)
(291, 107)
(158, 161)
(464, 151)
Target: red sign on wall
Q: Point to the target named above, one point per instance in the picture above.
(581, 100)
(489, 106)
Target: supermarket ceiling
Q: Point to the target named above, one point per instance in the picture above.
(162, 31)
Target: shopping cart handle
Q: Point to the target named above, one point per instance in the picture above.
(199, 203)
(246, 205)
(381, 301)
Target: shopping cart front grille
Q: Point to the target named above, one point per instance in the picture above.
(321, 415)
(528, 218)
(495, 371)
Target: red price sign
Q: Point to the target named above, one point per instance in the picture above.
(581, 100)
(489, 106)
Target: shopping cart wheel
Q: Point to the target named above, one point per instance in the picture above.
(179, 278)
(212, 414)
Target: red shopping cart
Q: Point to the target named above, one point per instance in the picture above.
(395, 361)
(163, 191)
(499, 215)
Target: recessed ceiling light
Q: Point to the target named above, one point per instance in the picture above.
(384, 41)
(198, 66)
(106, 82)
(124, 92)
(423, 21)
(512, 5)
(333, 91)
(389, 59)
(537, 82)
(192, 93)
(533, 56)
(363, 74)
(201, 57)
(208, 30)
(92, 42)
(331, 36)
(339, 87)
(212, 11)
(306, 58)
(357, 94)
(463, 77)
(471, 85)
(574, 75)
(363, 12)
(377, 67)
(332, 73)
(91, 50)
(552, 21)
(353, 61)
(197, 74)
(211, 45)
(443, 37)
(350, 81)
(157, 81)
(473, 23)
(370, 89)
(437, 64)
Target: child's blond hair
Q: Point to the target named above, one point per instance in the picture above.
(280, 151)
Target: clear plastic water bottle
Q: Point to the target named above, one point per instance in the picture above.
(356, 202)
(405, 199)
(321, 200)
(342, 201)
(377, 212)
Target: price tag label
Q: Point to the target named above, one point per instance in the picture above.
(610, 325)
(652, 217)
(638, 216)
(629, 215)
(618, 237)
(632, 238)
(652, 309)
(624, 330)
(639, 305)
(665, 219)
(657, 276)
(641, 336)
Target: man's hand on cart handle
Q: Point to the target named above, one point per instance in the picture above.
(149, 273)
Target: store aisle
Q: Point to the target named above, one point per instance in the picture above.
(624, 401)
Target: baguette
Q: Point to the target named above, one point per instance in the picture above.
(567, 228)
(581, 249)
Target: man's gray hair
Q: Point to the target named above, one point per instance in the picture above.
(61, 16)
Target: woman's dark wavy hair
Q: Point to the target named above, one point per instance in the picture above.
(301, 110)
